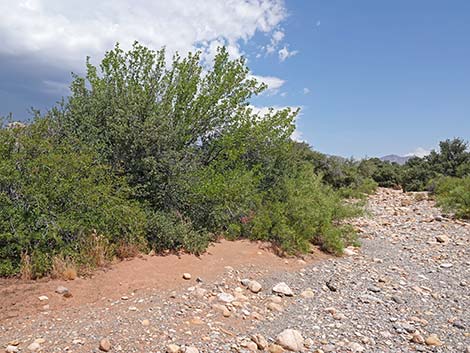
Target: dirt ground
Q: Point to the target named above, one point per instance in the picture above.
(145, 273)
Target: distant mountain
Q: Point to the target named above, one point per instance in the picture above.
(393, 158)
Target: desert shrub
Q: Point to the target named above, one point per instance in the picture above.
(301, 211)
(52, 196)
(453, 195)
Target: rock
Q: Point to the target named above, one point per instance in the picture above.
(192, 350)
(43, 298)
(291, 340)
(446, 265)
(308, 294)
(274, 348)
(251, 346)
(254, 286)
(173, 348)
(145, 322)
(355, 347)
(275, 307)
(308, 343)
(199, 292)
(105, 345)
(186, 276)
(459, 325)
(374, 289)
(433, 340)
(225, 297)
(417, 338)
(11, 349)
(397, 299)
(349, 251)
(61, 290)
(467, 349)
(332, 286)
(282, 288)
(260, 341)
(441, 238)
(34, 346)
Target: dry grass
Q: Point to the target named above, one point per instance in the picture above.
(97, 250)
(63, 268)
(26, 270)
(127, 251)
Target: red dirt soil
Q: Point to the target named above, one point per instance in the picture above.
(20, 298)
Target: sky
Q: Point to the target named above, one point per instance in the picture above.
(371, 77)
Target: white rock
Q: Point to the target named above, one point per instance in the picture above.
(254, 286)
(186, 275)
(192, 350)
(356, 347)
(291, 340)
(225, 297)
(11, 349)
(61, 290)
(43, 298)
(173, 348)
(349, 251)
(282, 288)
(34, 346)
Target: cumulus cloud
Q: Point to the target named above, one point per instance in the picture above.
(306, 90)
(64, 32)
(418, 152)
(284, 53)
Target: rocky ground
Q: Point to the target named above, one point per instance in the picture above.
(406, 289)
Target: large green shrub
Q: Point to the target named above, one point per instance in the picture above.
(453, 195)
(52, 197)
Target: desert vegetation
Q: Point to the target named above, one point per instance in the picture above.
(145, 155)
(148, 156)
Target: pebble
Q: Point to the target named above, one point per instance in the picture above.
(105, 345)
(254, 286)
(173, 348)
(433, 340)
(186, 276)
(284, 289)
(291, 340)
(61, 290)
(34, 346)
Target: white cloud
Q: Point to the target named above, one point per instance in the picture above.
(64, 32)
(273, 83)
(306, 90)
(419, 152)
(284, 53)
(276, 38)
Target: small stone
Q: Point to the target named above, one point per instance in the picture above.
(43, 298)
(356, 347)
(349, 251)
(459, 325)
(308, 343)
(446, 265)
(274, 348)
(417, 338)
(105, 345)
(291, 340)
(173, 348)
(254, 286)
(260, 341)
(308, 294)
(397, 299)
(283, 288)
(34, 346)
(225, 297)
(374, 289)
(251, 346)
(145, 322)
(186, 276)
(11, 349)
(192, 350)
(226, 313)
(61, 290)
(275, 307)
(441, 238)
(433, 340)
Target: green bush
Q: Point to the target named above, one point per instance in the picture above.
(453, 195)
(52, 197)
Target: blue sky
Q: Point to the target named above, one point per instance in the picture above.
(372, 77)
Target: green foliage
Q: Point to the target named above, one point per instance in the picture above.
(453, 195)
(53, 196)
(168, 157)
